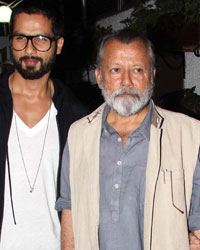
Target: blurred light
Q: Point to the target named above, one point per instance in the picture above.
(5, 10)
(5, 13)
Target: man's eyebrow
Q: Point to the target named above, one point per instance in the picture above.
(38, 34)
(18, 34)
(137, 65)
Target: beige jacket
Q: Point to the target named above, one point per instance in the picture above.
(173, 152)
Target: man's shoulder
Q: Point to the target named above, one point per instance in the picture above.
(64, 98)
(4, 89)
(4, 80)
(60, 89)
(176, 117)
(89, 120)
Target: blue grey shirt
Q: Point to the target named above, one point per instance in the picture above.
(122, 187)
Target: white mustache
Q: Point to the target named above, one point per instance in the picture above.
(126, 91)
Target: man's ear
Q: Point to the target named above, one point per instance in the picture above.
(60, 43)
(154, 73)
(98, 77)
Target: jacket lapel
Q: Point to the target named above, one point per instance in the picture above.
(152, 174)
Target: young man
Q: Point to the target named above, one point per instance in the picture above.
(35, 114)
(128, 183)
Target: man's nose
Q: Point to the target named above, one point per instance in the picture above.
(30, 48)
(126, 79)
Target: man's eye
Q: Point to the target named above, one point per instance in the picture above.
(138, 70)
(19, 38)
(115, 70)
(41, 38)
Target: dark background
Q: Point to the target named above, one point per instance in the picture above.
(79, 52)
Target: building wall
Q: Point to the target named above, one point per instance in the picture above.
(192, 71)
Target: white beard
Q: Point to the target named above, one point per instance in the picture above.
(128, 104)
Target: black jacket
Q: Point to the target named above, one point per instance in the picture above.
(69, 109)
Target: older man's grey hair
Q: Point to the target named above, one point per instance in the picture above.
(126, 36)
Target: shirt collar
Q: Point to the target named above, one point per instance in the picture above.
(144, 127)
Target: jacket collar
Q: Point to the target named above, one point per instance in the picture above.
(96, 115)
(157, 119)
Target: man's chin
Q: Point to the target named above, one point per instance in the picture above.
(127, 99)
(31, 75)
(128, 107)
(123, 111)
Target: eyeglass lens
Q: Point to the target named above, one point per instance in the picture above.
(40, 43)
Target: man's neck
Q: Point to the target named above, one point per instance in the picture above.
(36, 87)
(31, 98)
(125, 125)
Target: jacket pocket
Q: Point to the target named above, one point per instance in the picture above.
(176, 184)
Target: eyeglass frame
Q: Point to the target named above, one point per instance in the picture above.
(51, 39)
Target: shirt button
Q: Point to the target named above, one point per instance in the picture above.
(116, 186)
(119, 139)
(119, 163)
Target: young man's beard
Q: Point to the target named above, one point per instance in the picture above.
(29, 72)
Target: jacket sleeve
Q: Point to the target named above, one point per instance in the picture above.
(194, 214)
(64, 201)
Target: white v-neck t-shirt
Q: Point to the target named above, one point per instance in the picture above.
(37, 224)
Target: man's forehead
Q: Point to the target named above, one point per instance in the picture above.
(114, 47)
(118, 43)
(31, 15)
(32, 23)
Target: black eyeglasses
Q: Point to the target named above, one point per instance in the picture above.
(39, 42)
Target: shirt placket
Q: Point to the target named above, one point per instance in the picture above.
(117, 181)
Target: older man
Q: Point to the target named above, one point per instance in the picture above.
(127, 171)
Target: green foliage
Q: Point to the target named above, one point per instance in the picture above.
(184, 101)
(102, 31)
(191, 101)
(187, 8)
(145, 14)
(141, 19)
